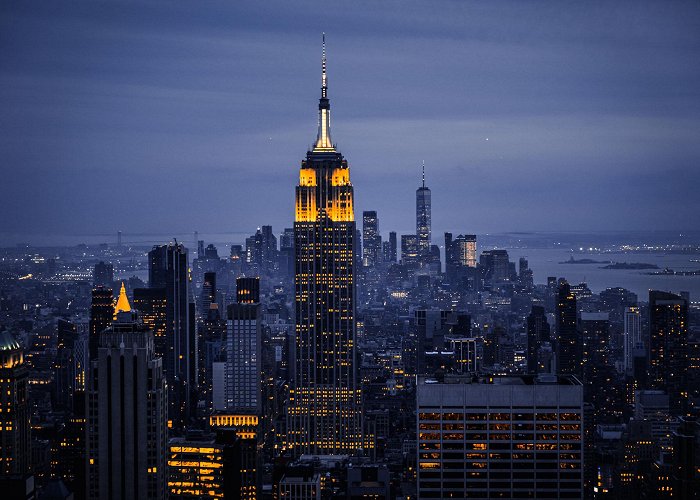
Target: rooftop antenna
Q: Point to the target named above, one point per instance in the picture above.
(324, 86)
(424, 174)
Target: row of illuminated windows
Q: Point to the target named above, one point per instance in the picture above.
(459, 446)
(535, 465)
(542, 455)
(496, 436)
(543, 416)
(498, 426)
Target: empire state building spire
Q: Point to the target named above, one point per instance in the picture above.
(323, 140)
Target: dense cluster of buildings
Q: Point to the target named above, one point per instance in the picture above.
(327, 363)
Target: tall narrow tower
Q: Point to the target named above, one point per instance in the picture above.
(15, 444)
(423, 222)
(324, 401)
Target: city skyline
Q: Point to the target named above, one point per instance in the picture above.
(314, 358)
(584, 113)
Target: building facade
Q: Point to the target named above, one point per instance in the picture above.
(668, 346)
(168, 270)
(324, 400)
(127, 414)
(15, 445)
(423, 217)
(501, 437)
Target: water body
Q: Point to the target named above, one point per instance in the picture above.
(546, 262)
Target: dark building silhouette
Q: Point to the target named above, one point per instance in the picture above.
(151, 303)
(668, 346)
(371, 239)
(168, 270)
(423, 217)
(208, 292)
(103, 275)
(389, 249)
(101, 314)
(410, 250)
(15, 444)
(127, 424)
(538, 332)
(495, 266)
(248, 290)
(568, 345)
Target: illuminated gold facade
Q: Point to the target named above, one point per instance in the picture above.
(324, 401)
(195, 470)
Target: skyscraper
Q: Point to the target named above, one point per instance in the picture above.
(423, 217)
(324, 401)
(410, 250)
(248, 290)
(168, 269)
(371, 239)
(668, 345)
(101, 313)
(127, 434)
(460, 253)
(243, 349)
(632, 337)
(389, 248)
(500, 437)
(537, 334)
(15, 446)
(568, 343)
(103, 274)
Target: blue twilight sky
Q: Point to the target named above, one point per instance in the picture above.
(160, 117)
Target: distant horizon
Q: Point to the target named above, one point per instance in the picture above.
(187, 237)
(525, 113)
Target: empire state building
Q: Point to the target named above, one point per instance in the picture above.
(323, 413)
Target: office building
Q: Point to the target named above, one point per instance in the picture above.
(261, 251)
(568, 345)
(371, 239)
(631, 337)
(410, 250)
(286, 257)
(209, 291)
(324, 410)
(423, 217)
(101, 315)
(15, 444)
(538, 332)
(389, 249)
(668, 346)
(151, 303)
(500, 437)
(168, 270)
(460, 253)
(496, 267)
(248, 290)
(243, 357)
(103, 275)
(127, 414)
(239, 434)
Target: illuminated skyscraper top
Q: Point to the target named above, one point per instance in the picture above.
(423, 217)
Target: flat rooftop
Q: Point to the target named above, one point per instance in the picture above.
(542, 379)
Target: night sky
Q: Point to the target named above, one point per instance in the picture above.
(157, 117)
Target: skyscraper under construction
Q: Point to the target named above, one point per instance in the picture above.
(324, 401)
